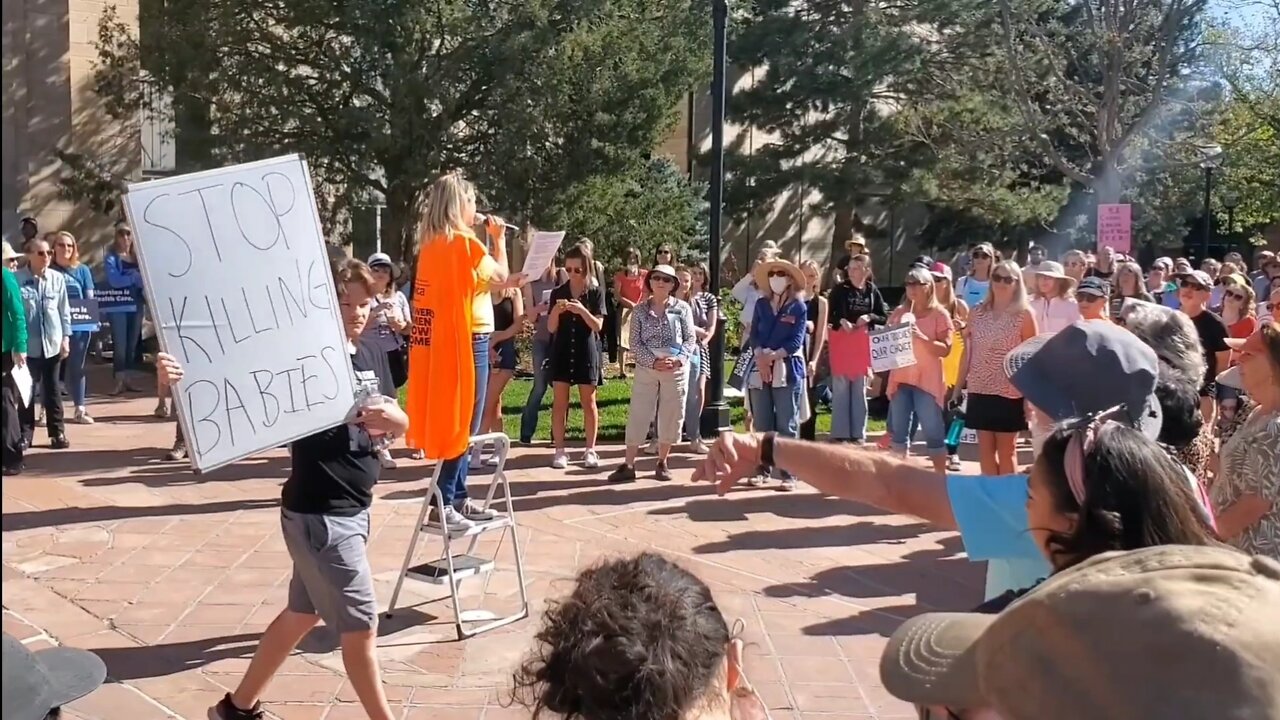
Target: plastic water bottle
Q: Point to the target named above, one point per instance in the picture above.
(957, 428)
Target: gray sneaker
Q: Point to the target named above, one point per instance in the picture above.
(472, 511)
(454, 521)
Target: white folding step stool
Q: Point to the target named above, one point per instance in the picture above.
(452, 569)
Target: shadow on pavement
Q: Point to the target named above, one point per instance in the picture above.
(859, 533)
(81, 515)
(136, 663)
(743, 501)
(158, 473)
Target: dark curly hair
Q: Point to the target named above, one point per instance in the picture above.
(1136, 496)
(640, 638)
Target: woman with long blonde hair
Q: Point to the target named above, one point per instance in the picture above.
(449, 341)
(920, 389)
(817, 310)
(995, 408)
(66, 260)
(1129, 283)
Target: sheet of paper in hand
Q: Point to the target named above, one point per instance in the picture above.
(238, 277)
(892, 347)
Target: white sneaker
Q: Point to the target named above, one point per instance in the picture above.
(651, 448)
(560, 460)
(590, 459)
(492, 460)
(82, 417)
(477, 458)
(953, 464)
(787, 485)
(417, 454)
(454, 521)
(385, 460)
(698, 447)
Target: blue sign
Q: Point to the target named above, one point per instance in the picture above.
(84, 315)
(116, 300)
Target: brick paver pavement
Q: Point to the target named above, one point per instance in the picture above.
(171, 576)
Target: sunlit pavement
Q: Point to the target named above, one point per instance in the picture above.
(171, 576)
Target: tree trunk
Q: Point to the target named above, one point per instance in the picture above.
(404, 213)
(841, 233)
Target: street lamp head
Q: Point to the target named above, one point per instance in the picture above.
(1211, 154)
(1230, 200)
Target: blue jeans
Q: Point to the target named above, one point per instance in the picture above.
(126, 334)
(533, 406)
(848, 408)
(910, 400)
(776, 409)
(693, 402)
(453, 476)
(74, 365)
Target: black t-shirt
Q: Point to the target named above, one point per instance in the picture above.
(334, 470)
(1213, 340)
(1107, 275)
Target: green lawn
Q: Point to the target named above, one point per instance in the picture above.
(613, 399)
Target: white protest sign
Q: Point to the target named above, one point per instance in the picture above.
(542, 250)
(968, 437)
(892, 348)
(240, 287)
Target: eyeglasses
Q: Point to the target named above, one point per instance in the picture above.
(575, 270)
(1004, 279)
(779, 273)
(1191, 285)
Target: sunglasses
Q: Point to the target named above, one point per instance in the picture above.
(575, 270)
(779, 273)
(42, 253)
(66, 246)
(1191, 285)
(914, 283)
(981, 256)
(1087, 298)
(664, 252)
(938, 280)
(1235, 296)
(661, 279)
(1004, 279)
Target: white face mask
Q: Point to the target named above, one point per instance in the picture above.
(779, 285)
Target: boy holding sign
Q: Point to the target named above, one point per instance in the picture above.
(325, 518)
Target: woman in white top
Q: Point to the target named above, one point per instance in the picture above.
(1053, 302)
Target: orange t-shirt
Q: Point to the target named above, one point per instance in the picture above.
(450, 273)
(926, 374)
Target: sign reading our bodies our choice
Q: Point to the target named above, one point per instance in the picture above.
(892, 348)
(238, 278)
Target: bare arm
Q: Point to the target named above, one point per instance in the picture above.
(819, 330)
(848, 472)
(1241, 515)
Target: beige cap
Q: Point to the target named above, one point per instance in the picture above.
(1164, 632)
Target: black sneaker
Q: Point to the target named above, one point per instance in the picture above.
(226, 710)
(15, 469)
(662, 474)
(60, 443)
(624, 474)
(178, 453)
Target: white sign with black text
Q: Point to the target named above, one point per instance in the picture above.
(239, 284)
(892, 348)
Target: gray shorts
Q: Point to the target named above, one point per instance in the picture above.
(331, 574)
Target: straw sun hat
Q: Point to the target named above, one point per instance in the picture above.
(761, 274)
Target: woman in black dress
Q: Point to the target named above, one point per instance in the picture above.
(577, 316)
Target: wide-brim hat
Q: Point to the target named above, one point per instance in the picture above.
(37, 682)
(1087, 368)
(1052, 269)
(762, 270)
(665, 270)
(9, 252)
(1085, 642)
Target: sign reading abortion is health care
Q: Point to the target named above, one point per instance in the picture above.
(239, 283)
(892, 348)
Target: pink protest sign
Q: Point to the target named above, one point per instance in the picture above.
(1115, 227)
(850, 353)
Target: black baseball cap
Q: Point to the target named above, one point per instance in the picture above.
(35, 683)
(1093, 286)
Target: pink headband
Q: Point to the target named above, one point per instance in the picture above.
(1080, 445)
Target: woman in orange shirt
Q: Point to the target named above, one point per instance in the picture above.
(449, 344)
(920, 388)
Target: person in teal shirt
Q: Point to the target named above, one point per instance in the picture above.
(14, 347)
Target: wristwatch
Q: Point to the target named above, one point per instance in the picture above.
(766, 448)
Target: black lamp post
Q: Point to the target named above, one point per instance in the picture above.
(715, 413)
(1212, 159)
(1230, 201)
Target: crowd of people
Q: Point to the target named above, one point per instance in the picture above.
(1150, 510)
